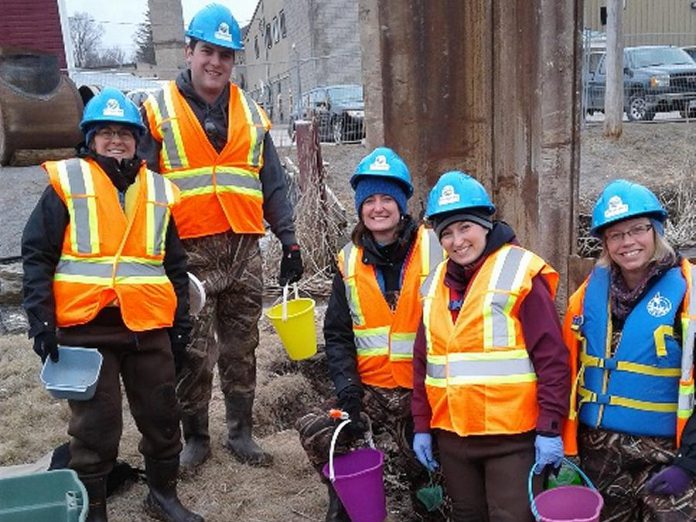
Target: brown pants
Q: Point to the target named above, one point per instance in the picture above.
(144, 361)
(226, 331)
(486, 476)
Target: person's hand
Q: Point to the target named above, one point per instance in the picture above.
(179, 341)
(45, 345)
(351, 402)
(549, 451)
(423, 448)
(672, 480)
(291, 267)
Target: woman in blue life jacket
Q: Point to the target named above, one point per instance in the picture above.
(630, 329)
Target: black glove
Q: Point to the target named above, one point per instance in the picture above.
(350, 401)
(291, 267)
(45, 344)
(179, 341)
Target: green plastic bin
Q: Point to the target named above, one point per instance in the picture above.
(49, 496)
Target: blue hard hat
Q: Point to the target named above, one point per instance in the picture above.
(622, 200)
(215, 25)
(383, 162)
(457, 191)
(111, 106)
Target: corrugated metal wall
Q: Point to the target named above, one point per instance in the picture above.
(490, 89)
(33, 25)
(647, 22)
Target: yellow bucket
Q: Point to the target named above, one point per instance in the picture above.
(294, 322)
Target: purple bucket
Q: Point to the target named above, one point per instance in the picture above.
(359, 483)
(566, 503)
(569, 504)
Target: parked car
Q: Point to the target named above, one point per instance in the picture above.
(339, 110)
(657, 78)
(691, 51)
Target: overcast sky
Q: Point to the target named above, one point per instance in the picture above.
(120, 18)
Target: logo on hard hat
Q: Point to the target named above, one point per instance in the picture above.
(659, 306)
(223, 32)
(448, 196)
(616, 207)
(112, 108)
(380, 163)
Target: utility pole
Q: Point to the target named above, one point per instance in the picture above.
(614, 96)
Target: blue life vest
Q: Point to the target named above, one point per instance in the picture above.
(634, 391)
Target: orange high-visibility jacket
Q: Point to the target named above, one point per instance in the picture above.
(221, 191)
(479, 377)
(112, 256)
(384, 338)
(575, 343)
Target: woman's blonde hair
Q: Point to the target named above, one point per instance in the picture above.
(662, 250)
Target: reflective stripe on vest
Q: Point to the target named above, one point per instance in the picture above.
(498, 324)
(372, 341)
(479, 368)
(685, 400)
(82, 205)
(109, 269)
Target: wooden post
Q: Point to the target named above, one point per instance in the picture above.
(614, 97)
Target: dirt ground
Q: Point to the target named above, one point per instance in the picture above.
(659, 155)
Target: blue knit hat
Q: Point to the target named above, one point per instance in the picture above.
(369, 186)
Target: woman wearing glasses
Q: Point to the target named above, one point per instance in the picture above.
(630, 329)
(104, 268)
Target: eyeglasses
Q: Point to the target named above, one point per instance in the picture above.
(110, 134)
(636, 231)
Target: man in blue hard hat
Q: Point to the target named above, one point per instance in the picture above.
(212, 140)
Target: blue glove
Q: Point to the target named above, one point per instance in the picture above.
(549, 451)
(423, 448)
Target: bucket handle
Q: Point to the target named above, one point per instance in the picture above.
(345, 421)
(570, 463)
(284, 315)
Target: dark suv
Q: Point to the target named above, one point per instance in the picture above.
(339, 109)
(657, 78)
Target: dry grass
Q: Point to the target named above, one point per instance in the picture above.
(224, 491)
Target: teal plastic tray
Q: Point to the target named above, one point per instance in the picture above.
(50, 496)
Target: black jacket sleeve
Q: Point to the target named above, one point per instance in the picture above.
(176, 266)
(686, 458)
(340, 343)
(277, 210)
(42, 242)
(148, 147)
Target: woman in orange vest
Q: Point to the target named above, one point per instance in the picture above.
(491, 374)
(372, 318)
(630, 329)
(104, 268)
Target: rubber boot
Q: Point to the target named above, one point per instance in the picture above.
(96, 491)
(336, 511)
(239, 423)
(162, 502)
(196, 440)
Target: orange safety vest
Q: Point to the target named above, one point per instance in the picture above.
(221, 191)
(479, 378)
(384, 338)
(575, 342)
(111, 256)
